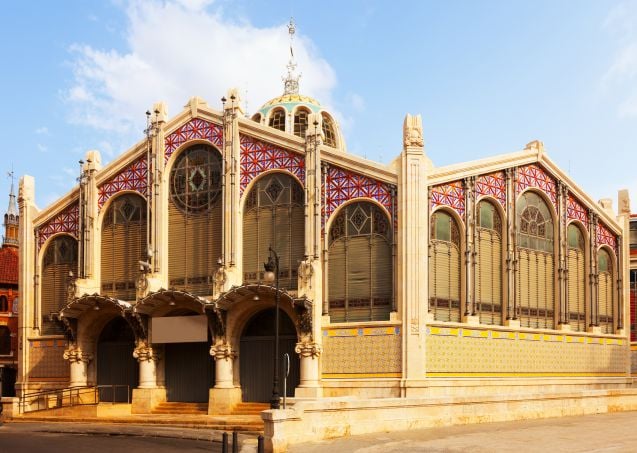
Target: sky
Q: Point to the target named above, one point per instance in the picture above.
(487, 77)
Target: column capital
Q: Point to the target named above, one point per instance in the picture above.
(222, 351)
(308, 349)
(145, 353)
(75, 354)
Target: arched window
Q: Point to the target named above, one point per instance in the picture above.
(123, 245)
(274, 216)
(4, 304)
(277, 119)
(300, 122)
(256, 117)
(60, 260)
(444, 268)
(5, 340)
(576, 279)
(328, 131)
(194, 220)
(360, 264)
(605, 290)
(489, 264)
(535, 286)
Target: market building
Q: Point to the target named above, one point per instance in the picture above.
(400, 280)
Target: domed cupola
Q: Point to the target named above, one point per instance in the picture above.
(290, 111)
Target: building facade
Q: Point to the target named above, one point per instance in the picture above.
(394, 280)
(9, 302)
(633, 291)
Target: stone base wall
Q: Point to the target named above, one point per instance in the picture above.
(312, 421)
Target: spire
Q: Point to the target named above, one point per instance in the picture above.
(291, 80)
(12, 209)
(11, 219)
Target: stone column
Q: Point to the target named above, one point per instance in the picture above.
(224, 395)
(224, 357)
(147, 358)
(78, 361)
(470, 316)
(309, 354)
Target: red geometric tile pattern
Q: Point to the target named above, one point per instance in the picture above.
(576, 211)
(493, 184)
(66, 221)
(258, 156)
(450, 194)
(534, 176)
(343, 185)
(604, 236)
(132, 177)
(196, 128)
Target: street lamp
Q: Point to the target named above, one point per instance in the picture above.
(272, 276)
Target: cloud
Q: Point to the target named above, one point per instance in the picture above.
(42, 148)
(621, 76)
(179, 49)
(42, 130)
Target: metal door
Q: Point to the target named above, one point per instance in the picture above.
(257, 366)
(189, 372)
(117, 370)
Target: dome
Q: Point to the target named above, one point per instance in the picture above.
(290, 102)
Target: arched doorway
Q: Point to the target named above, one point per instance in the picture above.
(116, 366)
(189, 368)
(256, 356)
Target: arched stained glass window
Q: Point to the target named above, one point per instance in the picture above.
(489, 264)
(60, 260)
(360, 264)
(274, 216)
(535, 273)
(576, 279)
(277, 119)
(301, 122)
(328, 131)
(605, 299)
(444, 268)
(123, 245)
(194, 216)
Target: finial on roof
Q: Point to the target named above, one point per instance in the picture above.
(291, 80)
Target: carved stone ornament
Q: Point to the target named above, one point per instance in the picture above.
(412, 131)
(535, 145)
(220, 280)
(145, 353)
(222, 351)
(308, 349)
(75, 355)
(624, 202)
(71, 290)
(306, 270)
(141, 284)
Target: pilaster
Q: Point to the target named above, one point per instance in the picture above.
(562, 253)
(470, 250)
(511, 252)
(232, 218)
(27, 279)
(413, 234)
(593, 276)
(157, 199)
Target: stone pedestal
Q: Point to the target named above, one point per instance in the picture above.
(221, 401)
(224, 396)
(78, 361)
(144, 400)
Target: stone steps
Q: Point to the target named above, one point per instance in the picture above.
(178, 408)
(250, 408)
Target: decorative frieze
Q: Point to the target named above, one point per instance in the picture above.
(195, 129)
(66, 221)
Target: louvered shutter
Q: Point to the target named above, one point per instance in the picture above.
(358, 272)
(250, 247)
(489, 277)
(605, 300)
(576, 294)
(524, 287)
(337, 278)
(381, 278)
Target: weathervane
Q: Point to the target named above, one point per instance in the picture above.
(291, 80)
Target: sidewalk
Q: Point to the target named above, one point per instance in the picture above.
(613, 432)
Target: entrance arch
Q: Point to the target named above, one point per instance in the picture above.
(256, 356)
(116, 365)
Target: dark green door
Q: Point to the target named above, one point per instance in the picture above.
(117, 370)
(189, 372)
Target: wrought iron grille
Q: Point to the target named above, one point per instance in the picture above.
(274, 215)
(195, 216)
(444, 268)
(489, 264)
(60, 259)
(360, 264)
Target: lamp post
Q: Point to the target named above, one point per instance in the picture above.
(272, 276)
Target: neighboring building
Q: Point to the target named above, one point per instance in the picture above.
(395, 280)
(9, 300)
(633, 290)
